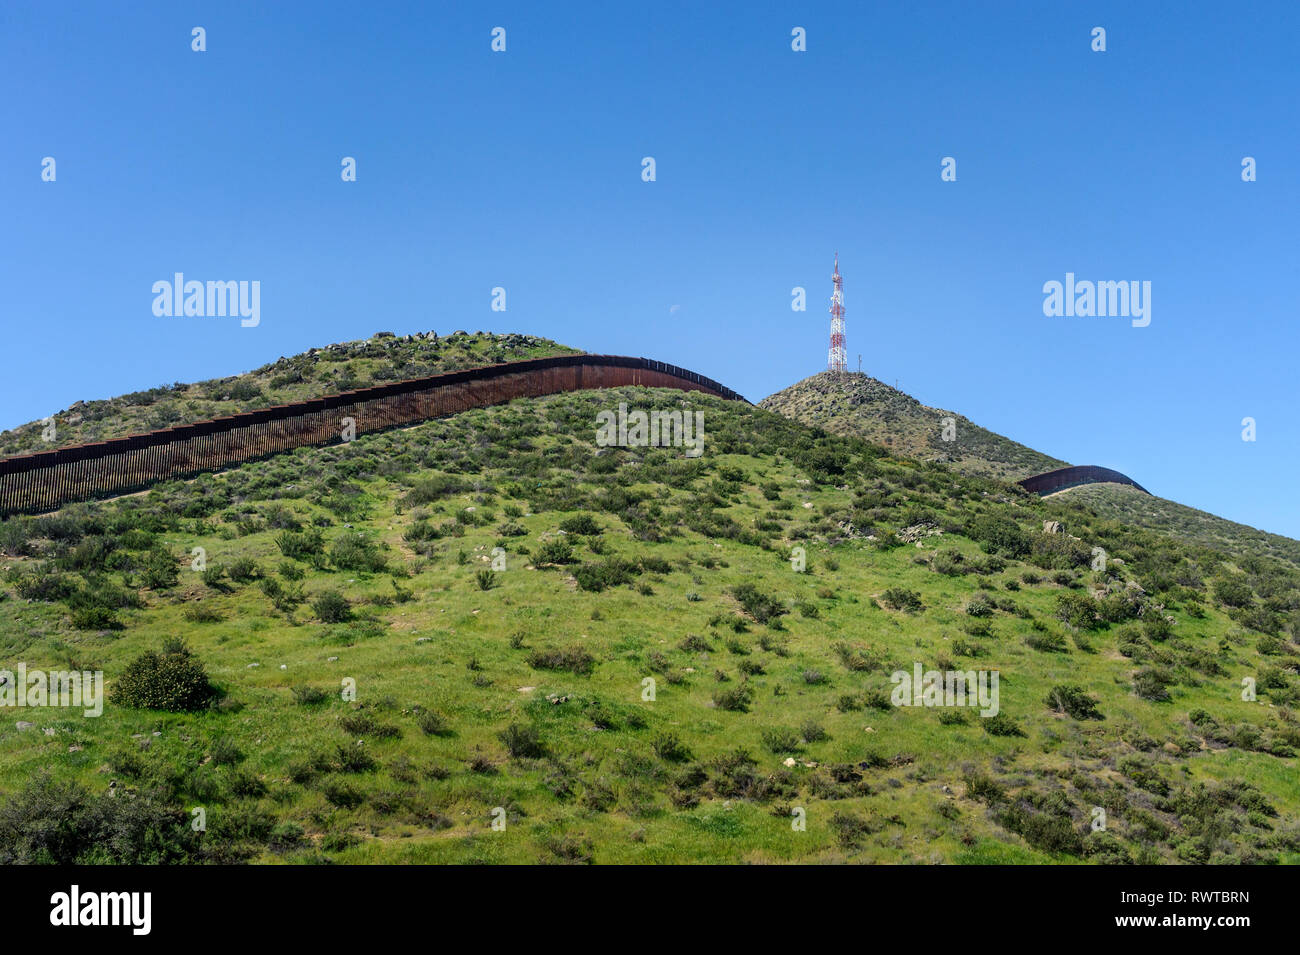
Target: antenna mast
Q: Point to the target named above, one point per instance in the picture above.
(837, 361)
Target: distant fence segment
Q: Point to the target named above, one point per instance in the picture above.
(48, 479)
(1062, 478)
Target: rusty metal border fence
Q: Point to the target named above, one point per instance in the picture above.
(1062, 478)
(46, 480)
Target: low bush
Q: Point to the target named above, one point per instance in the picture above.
(173, 680)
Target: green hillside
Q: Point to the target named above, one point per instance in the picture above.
(860, 406)
(320, 371)
(1129, 505)
(518, 695)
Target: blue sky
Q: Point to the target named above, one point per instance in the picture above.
(523, 170)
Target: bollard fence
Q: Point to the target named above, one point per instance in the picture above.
(1061, 478)
(46, 480)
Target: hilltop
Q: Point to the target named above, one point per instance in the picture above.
(859, 405)
(339, 367)
(485, 639)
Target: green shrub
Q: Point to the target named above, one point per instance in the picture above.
(1045, 831)
(736, 699)
(950, 562)
(330, 606)
(1073, 700)
(557, 550)
(900, 598)
(341, 794)
(581, 524)
(573, 659)
(309, 695)
(243, 569)
(813, 732)
(160, 570)
(95, 618)
(301, 546)
(611, 572)
(358, 553)
(849, 828)
(173, 680)
(999, 535)
(44, 584)
(778, 740)
(1151, 683)
(1047, 641)
(62, 823)
(432, 723)
(286, 836)
(1233, 591)
(669, 748)
(225, 753)
(1077, 610)
(353, 759)
(201, 612)
(433, 489)
(1001, 725)
(762, 607)
(984, 788)
(523, 742)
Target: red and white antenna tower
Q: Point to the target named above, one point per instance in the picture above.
(837, 361)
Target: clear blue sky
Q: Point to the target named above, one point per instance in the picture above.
(523, 170)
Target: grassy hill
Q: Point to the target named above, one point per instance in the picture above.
(856, 404)
(320, 371)
(860, 406)
(520, 695)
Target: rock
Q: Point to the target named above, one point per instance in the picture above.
(919, 532)
(789, 762)
(284, 666)
(49, 731)
(252, 666)
(330, 659)
(1052, 527)
(24, 725)
(74, 748)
